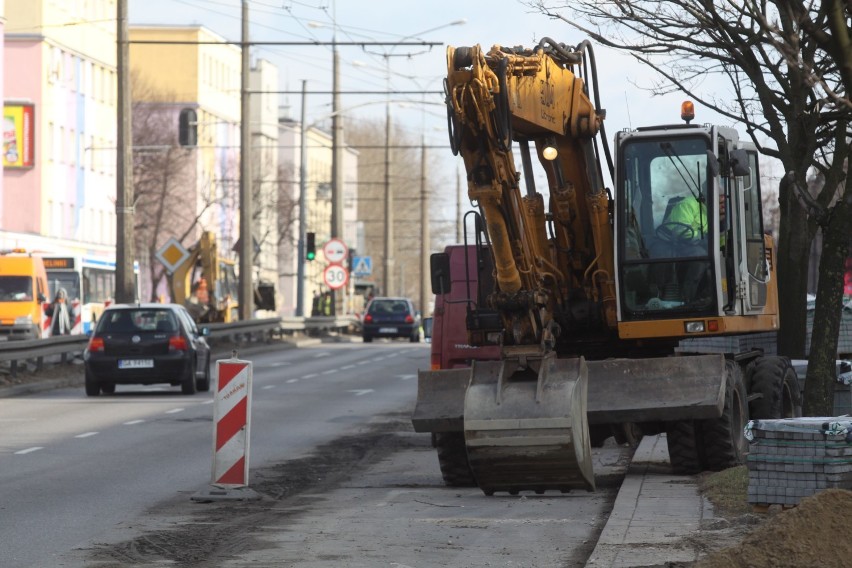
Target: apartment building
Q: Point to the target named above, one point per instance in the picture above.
(59, 93)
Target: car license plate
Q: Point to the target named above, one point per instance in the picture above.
(135, 363)
(387, 330)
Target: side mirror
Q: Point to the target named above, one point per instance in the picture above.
(739, 163)
(41, 298)
(205, 331)
(427, 328)
(439, 264)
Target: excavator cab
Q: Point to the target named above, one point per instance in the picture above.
(685, 224)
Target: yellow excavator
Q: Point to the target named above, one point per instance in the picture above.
(618, 312)
(206, 283)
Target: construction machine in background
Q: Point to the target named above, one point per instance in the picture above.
(624, 313)
(206, 283)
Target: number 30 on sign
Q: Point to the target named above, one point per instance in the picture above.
(335, 276)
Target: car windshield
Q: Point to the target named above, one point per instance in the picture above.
(137, 320)
(387, 307)
(16, 288)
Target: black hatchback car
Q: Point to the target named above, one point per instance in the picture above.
(390, 317)
(147, 344)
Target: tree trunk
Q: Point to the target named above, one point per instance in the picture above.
(821, 379)
(794, 243)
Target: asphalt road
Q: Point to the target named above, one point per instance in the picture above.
(108, 481)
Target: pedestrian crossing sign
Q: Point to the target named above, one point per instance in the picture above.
(362, 266)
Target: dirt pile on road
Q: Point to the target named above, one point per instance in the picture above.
(816, 533)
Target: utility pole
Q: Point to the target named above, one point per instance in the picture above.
(246, 240)
(303, 192)
(125, 282)
(425, 280)
(336, 162)
(387, 276)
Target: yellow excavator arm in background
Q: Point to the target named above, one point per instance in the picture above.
(218, 305)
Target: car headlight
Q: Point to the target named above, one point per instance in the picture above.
(694, 327)
(24, 320)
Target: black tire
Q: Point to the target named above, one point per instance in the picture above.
(452, 458)
(684, 447)
(367, 339)
(93, 388)
(723, 442)
(187, 385)
(775, 379)
(415, 338)
(203, 384)
(108, 388)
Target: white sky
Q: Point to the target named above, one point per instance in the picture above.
(488, 22)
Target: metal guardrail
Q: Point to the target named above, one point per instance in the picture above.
(38, 349)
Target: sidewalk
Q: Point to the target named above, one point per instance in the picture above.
(654, 514)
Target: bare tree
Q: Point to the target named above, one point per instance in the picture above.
(165, 186)
(404, 180)
(287, 207)
(787, 65)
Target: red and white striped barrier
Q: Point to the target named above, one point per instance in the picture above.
(232, 421)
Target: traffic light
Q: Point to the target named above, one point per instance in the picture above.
(310, 246)
(188, 127)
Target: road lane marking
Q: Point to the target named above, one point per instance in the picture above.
(267, 387)
(361, 392)
(311, 376)
(174, 410)
(343, 368)
(292, 380)
(331, 372)
(211, 401)
(406, 377)
(320, 354)
(132, 422)
(363, 362)
(29, 450)
(86, 434)
(279, 364)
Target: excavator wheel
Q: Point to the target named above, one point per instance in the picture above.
(452, 458)
(723, 441)
(684, 447)
(775, 379)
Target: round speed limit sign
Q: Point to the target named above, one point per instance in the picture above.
(335, 276)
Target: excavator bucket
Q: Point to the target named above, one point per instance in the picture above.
(659, 389)
(527, 430)
(440, 400)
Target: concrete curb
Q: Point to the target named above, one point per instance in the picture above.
(653, 513)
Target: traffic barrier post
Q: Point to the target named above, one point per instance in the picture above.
(231, 432)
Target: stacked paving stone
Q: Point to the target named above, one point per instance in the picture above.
(797, 457)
